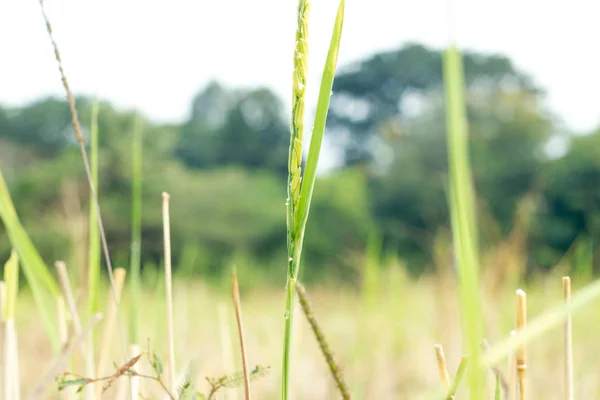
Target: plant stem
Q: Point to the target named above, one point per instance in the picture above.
(169, 290)
(325, 349)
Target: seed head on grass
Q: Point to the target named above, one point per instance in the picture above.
(300, 186)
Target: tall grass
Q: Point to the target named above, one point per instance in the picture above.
(462, 205)
(136, 231)
(94, 256)
(300, 186)
(40, 280)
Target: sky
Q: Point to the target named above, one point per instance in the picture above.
(156, 55)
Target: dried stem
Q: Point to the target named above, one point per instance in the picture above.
(169, 290)
(324, 346)
(238, 316)
(63, 335)
(521, 351)
(109, 325)
(568, 341)
(86, 164)
(442, 366)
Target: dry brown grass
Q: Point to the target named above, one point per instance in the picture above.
(385, 351)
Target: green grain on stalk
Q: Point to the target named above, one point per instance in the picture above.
(40, 280)
(462, 211)
(136, 230)
(300, 188)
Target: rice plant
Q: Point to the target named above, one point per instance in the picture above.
(300, 186)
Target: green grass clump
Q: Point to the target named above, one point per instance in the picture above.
(42, 283)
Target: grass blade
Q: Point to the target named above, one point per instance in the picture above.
(463, 221)
(94, 256)
(460, 372)
(308, 180)
(94, 234)
(42, 283)
(136, 231)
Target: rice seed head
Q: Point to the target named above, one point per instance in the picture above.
(298, 101)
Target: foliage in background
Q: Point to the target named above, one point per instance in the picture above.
(390, 104)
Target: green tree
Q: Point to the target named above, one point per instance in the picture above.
(387, 86)
(244, 128)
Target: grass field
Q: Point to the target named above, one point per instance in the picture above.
(382, 336)
(385, 349)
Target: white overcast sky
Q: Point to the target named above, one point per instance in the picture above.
(156, 55)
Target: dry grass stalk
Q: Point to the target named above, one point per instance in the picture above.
(63, 334)
(7, 361)
(169, 291)
(109, 326)
(442, 366)
(65, 284)
(568, 341)
(15, 362)
(323, 345)
(64, 357)
(521, 351)
(237, 305)
(86, 163)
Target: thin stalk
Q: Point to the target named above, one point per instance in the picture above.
(94, 255)
(86, 163)
(63, 334)
(521, 351)
(462, 206)
(109, 327)
(136, 232)
(568, 341)
(294, 242)
(442, 365)
(169, 291)
(237, 305)
(334, 367)
(63, 278)
(300, 188)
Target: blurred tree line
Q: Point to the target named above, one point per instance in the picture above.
(225, 168)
